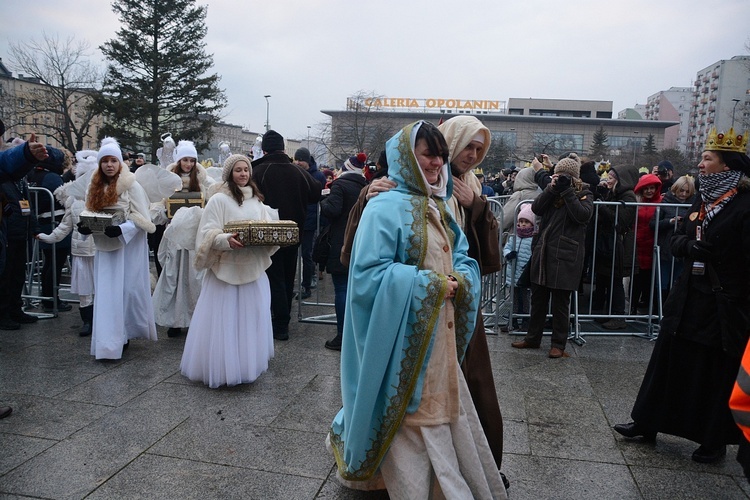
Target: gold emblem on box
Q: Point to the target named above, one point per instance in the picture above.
(97, 221)
(281, 233)
(184, 199)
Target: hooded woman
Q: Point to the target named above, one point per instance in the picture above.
(648, 190)
(704, 329)
(524, 188)
(406, 410)
(122, 304)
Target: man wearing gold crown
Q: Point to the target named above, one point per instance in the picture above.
(685, 391)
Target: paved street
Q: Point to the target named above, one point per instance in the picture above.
(136, 428)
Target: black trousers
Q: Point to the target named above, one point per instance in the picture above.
(12, 279)
(540, 298)
(281, 277)
(61, 254)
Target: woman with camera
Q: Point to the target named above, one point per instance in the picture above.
(563, 210)
(704, 330)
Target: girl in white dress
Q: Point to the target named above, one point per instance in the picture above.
(230, 338)
(179, 283)
(122, 304)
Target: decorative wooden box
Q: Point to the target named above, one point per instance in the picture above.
(186, 199)
(97, 221)
(281, 233)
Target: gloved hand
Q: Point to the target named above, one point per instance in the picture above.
(83, 229)
(512, 255)
(113, 231)
(701, 251)
(562, 183)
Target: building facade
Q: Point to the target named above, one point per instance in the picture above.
(721, 94)
(535, 126)
(672, 105)
(26, 107)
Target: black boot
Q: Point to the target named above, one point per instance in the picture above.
(87, 315)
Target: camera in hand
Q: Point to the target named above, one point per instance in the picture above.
(563, 182)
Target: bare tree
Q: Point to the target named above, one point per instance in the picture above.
(357, 129)
(66, 83)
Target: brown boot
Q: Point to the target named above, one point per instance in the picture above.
(556, 352)
(523, 344)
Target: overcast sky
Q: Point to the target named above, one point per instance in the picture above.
(309, 56)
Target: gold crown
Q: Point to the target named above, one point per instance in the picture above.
(727, 142)
(478, 171)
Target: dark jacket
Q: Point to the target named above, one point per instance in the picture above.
(16, 162)
(666, 228)
(696, 311)
(336, 207)
(286, 186)
(18, 227)
(559, 247)
(311, 221)
(613, 224)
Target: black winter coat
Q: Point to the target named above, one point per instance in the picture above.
(694, 310)
(559, 248)
(336, 207)
(613, 223)
(666, 228)
(285, 186)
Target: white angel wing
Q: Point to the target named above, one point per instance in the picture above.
(79, 187)
(214, 173)
(184, 227)
(158, 182)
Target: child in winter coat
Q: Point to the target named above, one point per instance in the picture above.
(518, 249)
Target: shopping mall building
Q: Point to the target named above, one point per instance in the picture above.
(526, 126)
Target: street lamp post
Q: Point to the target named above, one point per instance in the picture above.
(308, 137)
(268, 126)
(736, 102)
(635, 134)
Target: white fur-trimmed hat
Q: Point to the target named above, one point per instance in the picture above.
(229, 165)
(109, 147)
(185, 149)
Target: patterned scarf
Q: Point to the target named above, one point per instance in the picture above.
(716, 191)
(525, 232)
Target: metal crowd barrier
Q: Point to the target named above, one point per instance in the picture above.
(32, 291)
(645, 324)
(497, 298)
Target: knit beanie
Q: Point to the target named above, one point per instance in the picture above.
(272, 141)
(355, 163)
(303, 154)
(527, 213)
(185, 149)
(570, 165)
(229, 165)
(109, 147)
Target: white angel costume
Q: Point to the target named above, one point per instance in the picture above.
(179, 284)
(230, 339)
(122, 304)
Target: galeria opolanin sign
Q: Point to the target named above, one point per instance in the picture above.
(412, 103)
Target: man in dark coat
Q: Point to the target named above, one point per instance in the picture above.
(289, 189)
(47, 174)
(304, 159)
